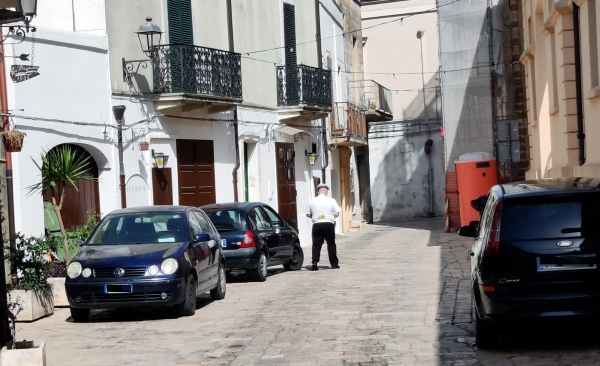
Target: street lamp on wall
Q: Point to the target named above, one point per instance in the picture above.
(160, 159)
(149, 35)
(312, 157)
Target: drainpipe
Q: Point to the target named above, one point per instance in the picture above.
(119, 111)
(234, 173)
(9, 173)
(11, 222)
(578, 86)
(325, 158)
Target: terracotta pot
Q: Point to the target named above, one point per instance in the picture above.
(144, 145)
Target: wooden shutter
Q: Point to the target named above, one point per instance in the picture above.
(289, 39)
(180, 22)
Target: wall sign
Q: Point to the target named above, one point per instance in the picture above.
(20, 73)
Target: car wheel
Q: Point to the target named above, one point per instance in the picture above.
(80, 315)
(486, 333)
(188, 306)
(297, 259)
(260, 272)
(218, 293)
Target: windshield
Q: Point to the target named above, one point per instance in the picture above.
(139, 228)
(227, 220)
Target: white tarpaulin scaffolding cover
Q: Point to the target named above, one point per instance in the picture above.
(465, 75)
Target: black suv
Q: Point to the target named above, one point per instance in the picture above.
(535, 253)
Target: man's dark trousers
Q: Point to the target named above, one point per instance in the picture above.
(324, 231)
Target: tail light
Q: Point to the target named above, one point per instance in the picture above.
(493, 244)
(248, 241)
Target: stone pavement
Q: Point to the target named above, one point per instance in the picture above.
(402, 297)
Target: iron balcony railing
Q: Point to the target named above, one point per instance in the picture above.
(377, 98)
(304, 86)
(348, 120)
(197, 70)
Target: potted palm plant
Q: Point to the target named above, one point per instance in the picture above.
(61, 167)
(13, 140)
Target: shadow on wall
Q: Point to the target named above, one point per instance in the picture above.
(407, 182)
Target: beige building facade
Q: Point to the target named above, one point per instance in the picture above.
(561, 59)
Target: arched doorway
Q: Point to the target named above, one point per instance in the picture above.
(78, 203)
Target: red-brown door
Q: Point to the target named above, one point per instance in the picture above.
(196, 165)
(286, 181)
(162, 186)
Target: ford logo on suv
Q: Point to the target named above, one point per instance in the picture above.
(564, 243)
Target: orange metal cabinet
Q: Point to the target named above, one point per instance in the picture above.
(476, 174)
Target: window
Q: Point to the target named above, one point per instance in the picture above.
(260, 218)
(226, 220)
(289, 40)
(204, 224)
(273, 216)
(180, 22)
(195, 227)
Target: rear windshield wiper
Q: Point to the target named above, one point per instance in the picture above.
(568, 230)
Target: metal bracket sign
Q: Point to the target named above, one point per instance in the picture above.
(508, 141)
(19, 73)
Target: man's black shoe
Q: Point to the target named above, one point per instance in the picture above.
(335, 266)
(314, 267)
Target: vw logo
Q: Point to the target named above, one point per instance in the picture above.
(564, 243)
(119, 272)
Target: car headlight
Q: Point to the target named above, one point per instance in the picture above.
(169, 266)
(86, 272)
(74, 270)
(152, 270)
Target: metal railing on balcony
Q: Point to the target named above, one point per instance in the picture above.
(348, 121)
(304, 86)
(377, 98)
(197, 70)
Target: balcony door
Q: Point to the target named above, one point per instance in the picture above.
(181, 53)
(291, 65)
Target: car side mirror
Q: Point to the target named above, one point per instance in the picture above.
(202, 237)
(291, 222)
(80, 242)
(469, 231)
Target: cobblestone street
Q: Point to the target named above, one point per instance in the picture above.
(401, 297)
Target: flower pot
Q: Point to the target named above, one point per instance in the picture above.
(26, 353)
(58, 291)
(144, 145)
(35, 303)
(13, 140)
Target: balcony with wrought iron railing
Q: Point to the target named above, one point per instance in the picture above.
(377, 99)
(304, 86)
(348, 125)
(198, 73)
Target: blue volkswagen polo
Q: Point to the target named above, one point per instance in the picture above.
(146, 257)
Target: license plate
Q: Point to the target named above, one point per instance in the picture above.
(566, 262)
(118, 289)
(224, 243)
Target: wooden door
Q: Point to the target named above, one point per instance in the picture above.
(346, 205)
(196, 168)
(286, 181)
(162, 186)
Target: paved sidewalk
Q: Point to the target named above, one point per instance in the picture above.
(402, 297)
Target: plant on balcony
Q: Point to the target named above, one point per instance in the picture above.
(13, 140)
(60, 168)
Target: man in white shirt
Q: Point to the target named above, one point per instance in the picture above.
(323, 211)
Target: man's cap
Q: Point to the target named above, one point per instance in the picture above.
(323, 185)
